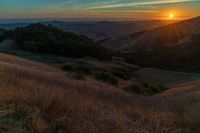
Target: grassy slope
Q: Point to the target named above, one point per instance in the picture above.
(5, 47)
(189, 90)
(164, 77)
(35, 97)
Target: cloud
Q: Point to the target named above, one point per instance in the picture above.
(126, 11)
(129, 4)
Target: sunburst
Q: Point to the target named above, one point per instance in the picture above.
(171, 16)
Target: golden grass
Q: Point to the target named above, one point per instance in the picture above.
(49, 101)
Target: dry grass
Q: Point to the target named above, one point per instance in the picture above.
(43, 99)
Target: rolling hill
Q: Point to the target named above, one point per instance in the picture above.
(172, 47)
(168, 78)
(73, 95)
(164, 36)
(181, 57)
(104, 29)
(40, 98)
(98, 30)
(48, 39)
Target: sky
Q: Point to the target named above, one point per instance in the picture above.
(100, 9)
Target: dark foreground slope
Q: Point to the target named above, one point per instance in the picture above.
(39, 98)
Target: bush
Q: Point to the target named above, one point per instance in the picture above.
(70, 67)
(84, 68)
(136, 88)
(107, 77)
(155, 88)
(123, 73)
(145, 88)
(4, 34)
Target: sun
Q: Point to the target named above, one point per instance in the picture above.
(171, 15)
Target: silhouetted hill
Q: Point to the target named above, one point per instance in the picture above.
(182, 57)
(51, 40)
(11, 26)
(98, 30)
(104, 29)
(169, 35)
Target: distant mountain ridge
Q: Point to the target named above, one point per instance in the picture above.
(105, 29)
(98, 30)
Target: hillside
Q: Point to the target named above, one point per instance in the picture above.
(164, 77)
(97, 92)
(104, 29)
(165, 36)
(48, 39)
(173, 47)
(182, 57)
(98, 30)
(38, 98)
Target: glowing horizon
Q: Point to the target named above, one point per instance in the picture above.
(101, 9)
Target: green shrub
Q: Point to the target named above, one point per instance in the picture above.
(145, 88)
(70, 67)
(137, 88)
(123, 73)
(84, 68)
(4, 34)
(155, 88)
(106, 77)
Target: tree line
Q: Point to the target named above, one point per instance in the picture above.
(51, 40)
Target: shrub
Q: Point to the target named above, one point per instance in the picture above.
(137, 88)
(123, 73)
(145, 88)
(69, 67)
(84, 68)
(106, 77)
(4, 34)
